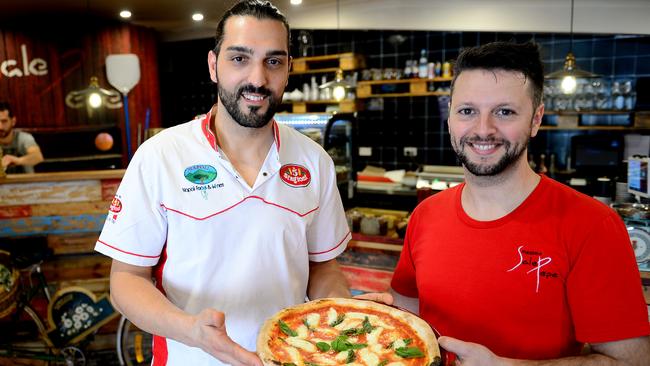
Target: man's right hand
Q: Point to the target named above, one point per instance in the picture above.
(209, 334)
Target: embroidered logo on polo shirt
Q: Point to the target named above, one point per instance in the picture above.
(295, 175)
(200, 174)
(533, 261)
(115, 208)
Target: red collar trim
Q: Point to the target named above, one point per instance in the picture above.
(207, 132)
(276, 135)
(212, 139)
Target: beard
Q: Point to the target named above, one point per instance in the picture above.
(511, 156)
(252, 119)
(4, 134)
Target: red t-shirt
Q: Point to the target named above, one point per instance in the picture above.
(557, 271)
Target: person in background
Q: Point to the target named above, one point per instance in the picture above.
(512, 267)
(234, 215)
(20, 152)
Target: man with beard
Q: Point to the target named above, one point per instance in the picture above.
(512, 266)
(234, 215)
(20, 152)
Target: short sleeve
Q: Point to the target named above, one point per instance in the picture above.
(135, 229)
(26, 141)
(604, 286)
(404, 281)
(328, 233)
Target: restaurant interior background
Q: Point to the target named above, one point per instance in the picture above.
(50, 48)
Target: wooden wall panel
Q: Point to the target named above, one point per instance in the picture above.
(49, 192)
(72, 57)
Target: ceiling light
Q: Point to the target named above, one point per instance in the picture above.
(570, 72)
(197, 17)
(125, 14)
(296, 2)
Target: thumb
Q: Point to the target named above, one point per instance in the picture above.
(454, 345)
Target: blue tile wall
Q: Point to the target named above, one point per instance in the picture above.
(414, 121)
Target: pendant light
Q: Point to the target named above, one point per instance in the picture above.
(570, 72)
(339, 86)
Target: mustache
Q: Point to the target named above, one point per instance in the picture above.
(484, 140)
(250, 88)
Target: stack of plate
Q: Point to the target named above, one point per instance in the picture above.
(622, 195)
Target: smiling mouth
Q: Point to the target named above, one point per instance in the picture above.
(253, 97)
(483, 147)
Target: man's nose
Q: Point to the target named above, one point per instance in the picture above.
(258, 76)
(485, 125)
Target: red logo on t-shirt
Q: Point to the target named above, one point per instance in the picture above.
(116, 205)
(295, 175)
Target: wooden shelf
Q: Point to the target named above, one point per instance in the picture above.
(327, 63)
(577, 113)
(345, 106)
(587, 128)
(416, 88)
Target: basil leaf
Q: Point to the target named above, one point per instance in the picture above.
(339, 320)
(324, 347)
(286, 330)
(310, 364)
(341, 344)
(309, 328)
(351, 357)
(409, 352)
(351, 331)
(407, 341)
(367, 327)
(289, 364)
(383, 363)
(390, 345)
(359, 346)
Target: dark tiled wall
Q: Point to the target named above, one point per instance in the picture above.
(408, 121)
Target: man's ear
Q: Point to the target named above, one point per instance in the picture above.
(212, 65)
(537, 119)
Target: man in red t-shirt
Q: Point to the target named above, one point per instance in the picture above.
(511, 265)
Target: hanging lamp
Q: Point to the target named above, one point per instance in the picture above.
(570, 72)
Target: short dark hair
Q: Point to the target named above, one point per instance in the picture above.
(255, 8)
(5, 106)
(508, 56)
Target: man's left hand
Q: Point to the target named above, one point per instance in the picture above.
(8, 160)
(470, 354)
(382, 297)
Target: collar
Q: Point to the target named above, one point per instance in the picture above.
(212, 137)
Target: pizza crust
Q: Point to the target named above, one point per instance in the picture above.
(422, 328)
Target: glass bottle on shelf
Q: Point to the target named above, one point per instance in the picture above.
(422, 65)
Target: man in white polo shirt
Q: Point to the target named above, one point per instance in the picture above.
(235, 216)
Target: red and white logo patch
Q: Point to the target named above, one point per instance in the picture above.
(295, 175)
(116, 205)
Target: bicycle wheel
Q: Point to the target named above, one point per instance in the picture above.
(134, 346)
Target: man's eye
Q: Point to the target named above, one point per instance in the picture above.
(506, 112)
(274, 62)
(238, 59)
(465, 111)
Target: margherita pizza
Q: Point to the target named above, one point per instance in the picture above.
(347, 332)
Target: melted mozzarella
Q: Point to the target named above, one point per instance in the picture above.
(323, 359)
(301, 343)
(369, 358)
(348, 323)
(302, 331)
(373, 337)
(373, 319)
(294, 354)
(341, 356)
(313, 320)
(395, 364)
(331, 315)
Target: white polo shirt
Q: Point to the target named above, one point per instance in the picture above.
(215, 241)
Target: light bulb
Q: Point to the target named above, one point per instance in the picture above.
(338, 92)
(197, 17)
(125, 14)
(94, 100)
(569, 84)
(296, 2)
